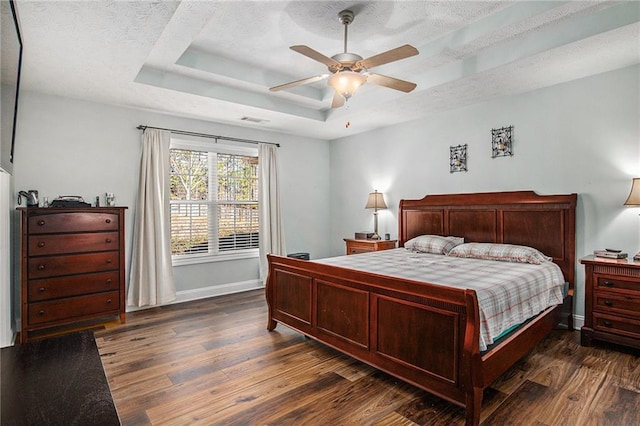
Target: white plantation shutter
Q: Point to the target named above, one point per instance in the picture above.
(214, 200)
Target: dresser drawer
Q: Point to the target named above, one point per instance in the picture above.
(617, 303)
(613, 284)
(74, 308)
(74, 285)
(618, 325)
(51, 266)
(40, 245)
(72, 222)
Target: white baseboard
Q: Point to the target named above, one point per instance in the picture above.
(217, 290)
(578, 321)
(211, 291)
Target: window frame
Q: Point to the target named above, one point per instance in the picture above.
(222, 148)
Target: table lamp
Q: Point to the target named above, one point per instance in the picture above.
(375, 202)
(634, 200)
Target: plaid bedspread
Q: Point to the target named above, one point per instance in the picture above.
(508, 293)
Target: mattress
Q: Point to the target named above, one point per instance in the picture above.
(508, 293)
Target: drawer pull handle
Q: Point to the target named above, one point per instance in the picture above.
(41, 222)
(108, 260)
(608, 283)
(41, 244)
(41, 289)
(41, 267)
(608, 302)
(108, 240)
(108, 220)
(109, 281)
(41, 312)
(608, 324)
(108, 301)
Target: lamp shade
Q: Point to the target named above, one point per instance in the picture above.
(376, 201)
(634, 195)
(346, 83)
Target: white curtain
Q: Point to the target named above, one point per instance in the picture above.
(151, 279)
(271, 231)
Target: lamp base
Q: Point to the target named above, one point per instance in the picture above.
(375, 236)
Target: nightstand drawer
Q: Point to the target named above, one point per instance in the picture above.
(613, 324)
(365, 246)
(355, 248)
(617, 303)
(613, 284)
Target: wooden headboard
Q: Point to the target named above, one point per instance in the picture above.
(545, 222)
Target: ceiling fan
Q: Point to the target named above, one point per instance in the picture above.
(350, 71)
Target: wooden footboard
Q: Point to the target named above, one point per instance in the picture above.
(423, 334)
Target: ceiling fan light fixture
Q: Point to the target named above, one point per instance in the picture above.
(346, 83)
(350, 71)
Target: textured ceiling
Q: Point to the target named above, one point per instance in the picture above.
(215, 60)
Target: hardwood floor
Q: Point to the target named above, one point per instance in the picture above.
(213, 362)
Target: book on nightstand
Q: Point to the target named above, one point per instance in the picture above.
(610, 254)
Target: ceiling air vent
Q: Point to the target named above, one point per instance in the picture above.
(254, 120)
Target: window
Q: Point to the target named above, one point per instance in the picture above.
(214, 201)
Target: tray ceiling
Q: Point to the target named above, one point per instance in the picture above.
(215, 60)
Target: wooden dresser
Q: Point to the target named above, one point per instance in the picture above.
(72, 267)
(612, 301)
(364, 246)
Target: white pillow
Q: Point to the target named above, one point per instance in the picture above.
(503, 252)
(433, 244)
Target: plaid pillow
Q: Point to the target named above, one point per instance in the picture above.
(503, 252)
(433, 244)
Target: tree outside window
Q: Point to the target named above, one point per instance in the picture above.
(214, 202)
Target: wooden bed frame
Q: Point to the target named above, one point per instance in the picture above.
(425, 334)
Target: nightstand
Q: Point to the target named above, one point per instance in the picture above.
(365, 246)
(612, 301)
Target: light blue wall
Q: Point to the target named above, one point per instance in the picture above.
(582, 137)
(72, 147)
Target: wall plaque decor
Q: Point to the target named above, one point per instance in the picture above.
(458, 158)
(501, 142)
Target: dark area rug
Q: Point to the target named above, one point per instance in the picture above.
(55, 381)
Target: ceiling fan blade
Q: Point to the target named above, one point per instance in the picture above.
(316, 56)
(298, 82)
(392, 55)
(338, 101)
(390, 82)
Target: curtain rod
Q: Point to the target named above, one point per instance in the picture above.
(205, 135)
